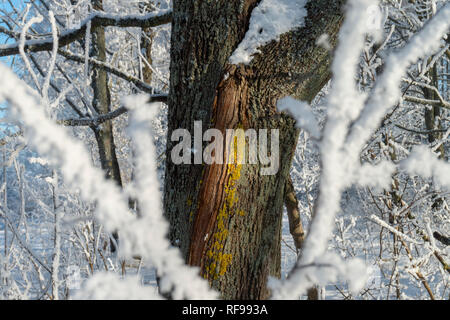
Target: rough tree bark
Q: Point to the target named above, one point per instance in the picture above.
(226, 219)
(104, 134)
(433, 114)
(146, 44)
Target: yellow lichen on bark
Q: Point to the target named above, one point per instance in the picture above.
(219, 261)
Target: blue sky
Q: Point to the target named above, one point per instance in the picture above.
(4, 5)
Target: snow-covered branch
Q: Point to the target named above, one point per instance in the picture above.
(438, 103)
(111, 69)
(351, 120)
(98, 19)
(112, 204)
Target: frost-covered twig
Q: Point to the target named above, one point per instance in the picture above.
(437, 103)
(21, 48)
(46, 86)
(175, 276)
(387, 89)
(442, 101)
(426, 164)
(344, 104)
(352, 119)
(21, 242)
(380, 222)
(112, 205)
(57, 241)
(111, 69)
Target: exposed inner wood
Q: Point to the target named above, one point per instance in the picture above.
(229, 113)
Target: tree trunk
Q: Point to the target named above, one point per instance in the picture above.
(104, 134)
(147, 36)
(226, 218)
(433, 114)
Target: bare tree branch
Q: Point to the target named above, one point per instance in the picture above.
(102, 65)
(108, 116)
(97, 19)
(295, 222)
(442, 239)
(421, 132)
(9, 138)
(439, 103)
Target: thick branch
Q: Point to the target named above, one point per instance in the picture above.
(442, 239)
(441, 101)
(422, 132)
(295, 223)
(438, 103)
(98, 19)
(108, 116)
